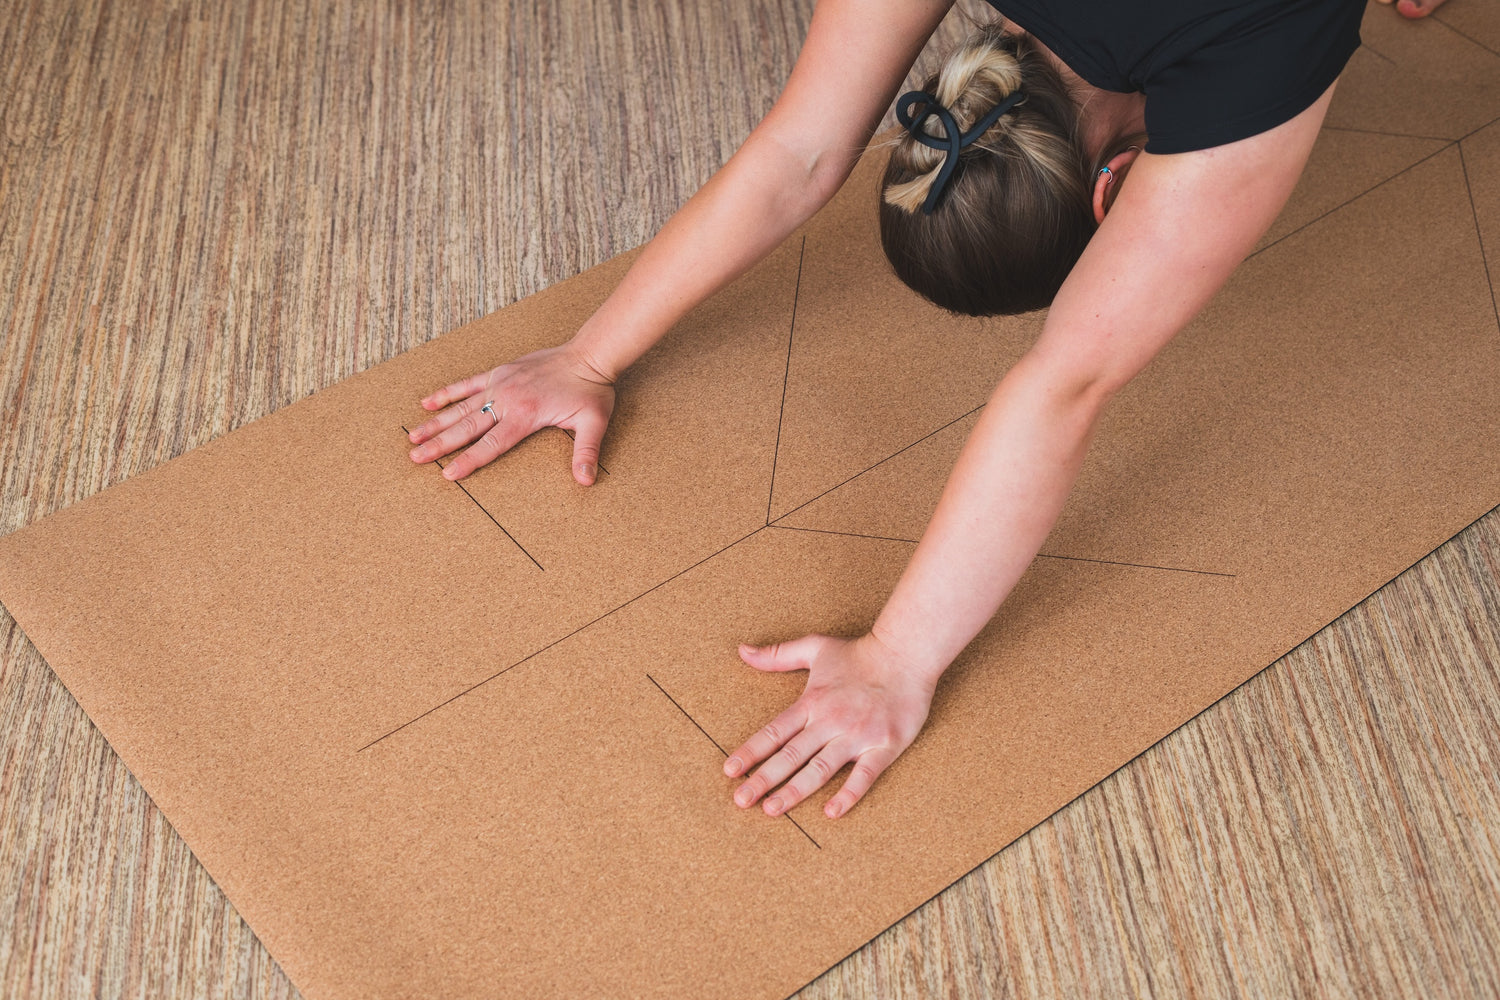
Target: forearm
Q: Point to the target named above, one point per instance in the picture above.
(1000, 503)
(744, 211)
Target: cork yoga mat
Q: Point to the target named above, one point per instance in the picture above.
(457, 740)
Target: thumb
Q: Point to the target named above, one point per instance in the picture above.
(588, 433)
(794, 655)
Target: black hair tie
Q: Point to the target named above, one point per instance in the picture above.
(953, 141)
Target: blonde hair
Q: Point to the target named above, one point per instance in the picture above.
(1017, 212)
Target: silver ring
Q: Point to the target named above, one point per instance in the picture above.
(490, 409)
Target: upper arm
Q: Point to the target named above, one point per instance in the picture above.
(1180, 225)
(856, 55)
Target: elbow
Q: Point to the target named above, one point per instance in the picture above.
(827, 173)
(1079, 389)
(809, 174)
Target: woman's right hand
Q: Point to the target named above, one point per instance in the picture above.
(553, 387)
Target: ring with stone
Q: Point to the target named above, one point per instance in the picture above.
(490, 409)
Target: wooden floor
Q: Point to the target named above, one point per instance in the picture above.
(211, 210)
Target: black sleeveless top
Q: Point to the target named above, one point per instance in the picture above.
(1213, 71)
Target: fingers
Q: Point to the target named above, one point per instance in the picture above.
(815, 775)
(780, 766)
(503, 437)
(459, 424)
(822, 762)
(794, 655)
(588, 434)
(765, 742)
(457, 390)
(866, 769)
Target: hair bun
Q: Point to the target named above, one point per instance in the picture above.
(975, 78)
(1012, 208)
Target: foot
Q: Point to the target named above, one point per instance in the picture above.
(1415, 8)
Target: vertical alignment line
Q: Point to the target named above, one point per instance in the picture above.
(1489, 276)
(785, 377)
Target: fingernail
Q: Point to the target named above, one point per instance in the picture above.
(732, 766)
(774, 807)
(588, 472)
(742, 797)
(835, 810)
(450, 473)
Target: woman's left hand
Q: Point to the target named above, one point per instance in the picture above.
(861, 704)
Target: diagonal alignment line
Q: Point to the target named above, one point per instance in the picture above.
(924, 437)
(785, 378)
(723, 751)
(1371, 190)
(1377, 53)
(850, 534)
(685, 714)
(1479, 233)
(554, 642)
(1117, 562)
(1475, 131)
(1039, 555)
(1383, 132)
(487, 514)
(1466, 36)
(1413, 166)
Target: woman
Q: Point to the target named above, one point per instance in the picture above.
(1006, 192)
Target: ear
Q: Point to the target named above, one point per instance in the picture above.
(1107, 182)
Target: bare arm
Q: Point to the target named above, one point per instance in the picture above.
(856, 54)
(1176, 232)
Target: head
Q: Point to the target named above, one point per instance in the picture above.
(1025, 196)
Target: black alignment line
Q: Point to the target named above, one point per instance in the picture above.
(1411, 135)
(1116, 562)
(685, 714)
(1039, 555)
(792, 819)
(877, 465)
(1413, 166)
(487, 514)
(554, 642)
(723, 751)
(1390, 135)
(785, 377)
(1377, 53)
(1312, 222)
(1464, 35)
(1475, 131)
(851, 534)
(1479, 233)
(1232, 692)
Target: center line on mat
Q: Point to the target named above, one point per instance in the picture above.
(785, 378)
(588, 624)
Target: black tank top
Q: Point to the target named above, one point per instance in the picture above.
(1213, 71)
